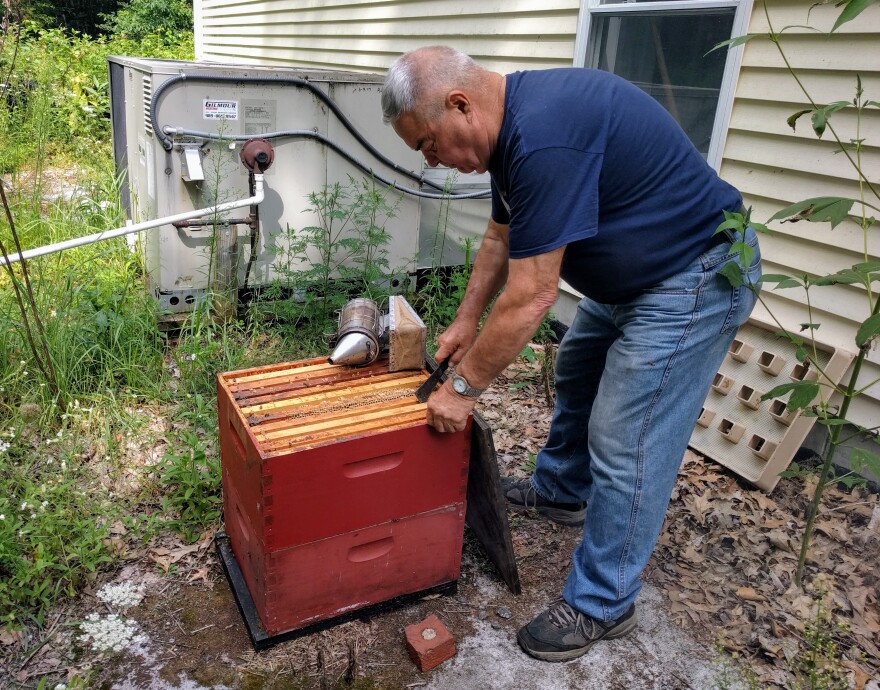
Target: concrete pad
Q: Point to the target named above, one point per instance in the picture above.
(657, 656)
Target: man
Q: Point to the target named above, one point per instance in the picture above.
(594, 182)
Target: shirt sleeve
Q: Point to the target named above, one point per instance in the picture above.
(553, 200)
(500, 213)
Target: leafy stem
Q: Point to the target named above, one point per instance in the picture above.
(775, 39)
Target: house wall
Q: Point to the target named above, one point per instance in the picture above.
(366, 35)
(774, 166)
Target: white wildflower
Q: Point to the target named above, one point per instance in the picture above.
(24, 505)
(61, 686)
(2, 516)
(4, 446)
(109, 634)
(33, 516)
(123, 596)
(192, 357)
(24, 373)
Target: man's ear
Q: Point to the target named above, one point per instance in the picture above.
(458, 100)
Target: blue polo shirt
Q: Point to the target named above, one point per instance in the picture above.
(587, 160)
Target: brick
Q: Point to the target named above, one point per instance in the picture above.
(429, 643)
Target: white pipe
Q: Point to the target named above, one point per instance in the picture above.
(257, 198)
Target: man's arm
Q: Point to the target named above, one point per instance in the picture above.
(532, 284)
(487, 277)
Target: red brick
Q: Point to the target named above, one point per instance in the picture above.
(429, 643)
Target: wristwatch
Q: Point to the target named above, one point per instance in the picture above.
(462, 387)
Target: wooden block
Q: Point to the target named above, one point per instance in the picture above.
(406, 338)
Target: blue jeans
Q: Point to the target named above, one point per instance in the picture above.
(630, 382)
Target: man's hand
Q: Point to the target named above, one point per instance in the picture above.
(456, 340)
(447, 410)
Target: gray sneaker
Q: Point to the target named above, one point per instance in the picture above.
(521, 495)
(561, 633)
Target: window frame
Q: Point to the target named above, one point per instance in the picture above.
(742, 12)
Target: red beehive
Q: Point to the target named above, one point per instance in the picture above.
(337, 494)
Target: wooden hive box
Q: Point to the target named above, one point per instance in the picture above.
(337, 494)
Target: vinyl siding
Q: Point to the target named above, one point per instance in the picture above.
(366, 35)
(775, 166)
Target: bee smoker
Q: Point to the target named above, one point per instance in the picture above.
(360, 335)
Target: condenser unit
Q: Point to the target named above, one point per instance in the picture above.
(178, 128)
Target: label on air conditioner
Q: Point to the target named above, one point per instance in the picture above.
(220, 110)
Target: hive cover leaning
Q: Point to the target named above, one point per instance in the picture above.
(337, 495)
(754, 438)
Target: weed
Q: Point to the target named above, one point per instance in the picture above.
(438, 299)
(189, 471)
(817, 666)
(730, 674)
(321, 266)
(530, 464)
(51, 531)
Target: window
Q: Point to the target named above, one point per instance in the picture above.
(662, 46)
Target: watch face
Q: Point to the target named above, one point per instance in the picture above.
(459, 385)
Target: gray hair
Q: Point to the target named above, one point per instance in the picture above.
(420, 75)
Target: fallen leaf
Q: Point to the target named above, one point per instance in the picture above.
(859, 676)
(8, 637)
(700, 507)
(749, 594)
(200, 574)
(163, 562)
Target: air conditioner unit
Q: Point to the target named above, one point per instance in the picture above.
(169, 173)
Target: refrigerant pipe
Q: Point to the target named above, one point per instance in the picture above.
(257, 198)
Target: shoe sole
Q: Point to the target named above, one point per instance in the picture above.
(624, 628)
(567, 518)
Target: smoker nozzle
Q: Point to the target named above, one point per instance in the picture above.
(354, 349)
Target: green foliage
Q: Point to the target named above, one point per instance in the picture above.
(437, 299)
(139, 18)
(189, 472)
(321, 266)
(530, 464)
(75, 15)
(51, 527)
(57, 91)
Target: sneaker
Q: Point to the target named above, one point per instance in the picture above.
(521, 495)
(561, 633)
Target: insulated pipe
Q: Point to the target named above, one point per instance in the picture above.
(310, 134)
(257, 198)
(168, 144)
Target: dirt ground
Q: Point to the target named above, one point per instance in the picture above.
(720, 582)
